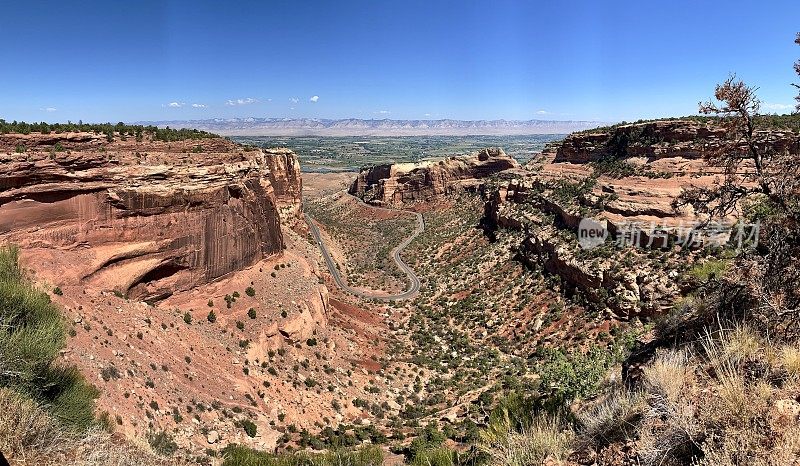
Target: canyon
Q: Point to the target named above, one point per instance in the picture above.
(189, 284)
(200, 300)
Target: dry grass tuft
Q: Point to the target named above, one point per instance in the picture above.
(743, 418)
(790, 360)
(670, 427)
(547, 439)
(614, 419)
(27, 433)
(30, 435)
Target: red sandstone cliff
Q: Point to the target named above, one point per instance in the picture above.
(145, 218)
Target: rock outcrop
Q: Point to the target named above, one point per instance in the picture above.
(626, 287)
(404, 183)
(685, 139)
(145, 219)
(634, 206)
(284, 175)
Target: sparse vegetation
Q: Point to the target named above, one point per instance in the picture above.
(237, 455)
(249, 427)
(29, 344)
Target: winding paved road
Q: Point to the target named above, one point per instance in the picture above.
(414, 283)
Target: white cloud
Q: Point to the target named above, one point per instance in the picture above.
(50, 109)
(778, 107)
(245, 101)
(199, 105)
(427, 114)
(383, 112)
(175, 104)
(314, 98)
(294, 100)
(542, 112)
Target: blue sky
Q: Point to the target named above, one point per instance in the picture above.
(409, 59)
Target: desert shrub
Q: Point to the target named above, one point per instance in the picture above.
(670, 426)
(187, 317)
(211, 317)
(29, 345)
(708, 269)
(566, 376)
(250, 291)
(613, 167)
(428, 448)
(568, 191)
(239, 455)
(25, 427)
(439, 456)
(162, 443)
(251, 313)
(249, 427)
(109, 372)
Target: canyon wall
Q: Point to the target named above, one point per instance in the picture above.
(405, 183)
(653, 162)
(685, 139)
(144, 218)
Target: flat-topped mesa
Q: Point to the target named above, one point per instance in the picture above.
(401, 183)
(143, 218)
(653, 140)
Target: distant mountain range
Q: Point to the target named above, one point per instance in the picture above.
(385, 127)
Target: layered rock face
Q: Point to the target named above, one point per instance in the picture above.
(144, 219)
(398, 184)
(562, 187)
(547, 226)
(284, 176)
(685, 139)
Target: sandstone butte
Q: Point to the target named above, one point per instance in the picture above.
(403, 183)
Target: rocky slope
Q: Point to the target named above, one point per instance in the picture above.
(406, 183)
(180, 215)
(625, 179)
(190, 297)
